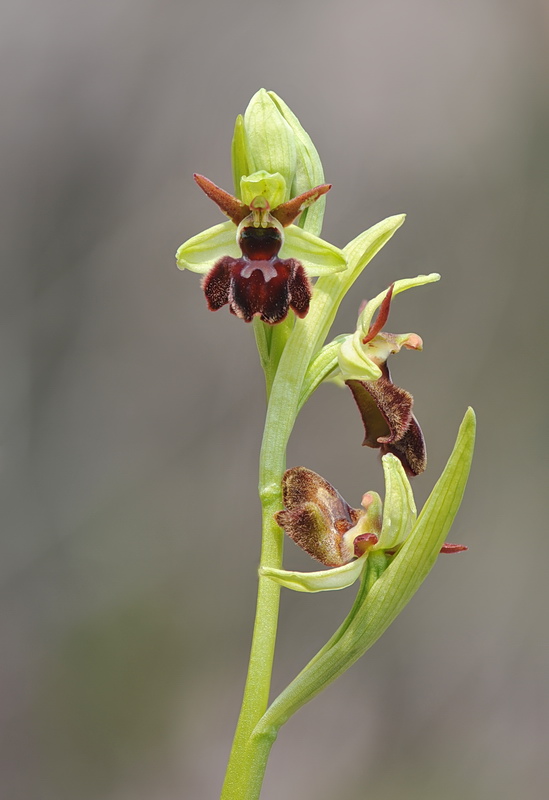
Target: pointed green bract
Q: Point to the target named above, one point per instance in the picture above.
(239, 158)
(320, 369)
(331, 289)
(270, 142)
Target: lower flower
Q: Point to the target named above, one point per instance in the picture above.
(323, 524)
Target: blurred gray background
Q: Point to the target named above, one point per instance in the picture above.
(131, 416)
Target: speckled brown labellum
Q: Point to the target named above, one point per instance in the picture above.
(389, 423)
(316, 517)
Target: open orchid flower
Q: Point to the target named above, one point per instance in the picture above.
(386, 409)
(319, 520)
(259, 263)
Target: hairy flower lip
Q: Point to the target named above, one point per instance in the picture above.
(248, 272)
(389, 424)
(267, 289)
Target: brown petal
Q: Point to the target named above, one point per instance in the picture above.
(309, 529)
(382, 316)
(285, 213)
(229, 205)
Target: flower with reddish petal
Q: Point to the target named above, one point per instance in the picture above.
(259, 263)
(386, 409)
(321, 522)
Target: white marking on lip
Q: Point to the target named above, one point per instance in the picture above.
(265, 267)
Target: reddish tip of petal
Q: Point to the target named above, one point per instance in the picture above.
(382, 316)
(448, 547)
(285, 213)
(229, 205)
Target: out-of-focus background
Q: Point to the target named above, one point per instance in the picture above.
(131, 416)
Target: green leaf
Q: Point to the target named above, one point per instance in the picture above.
(331, 289)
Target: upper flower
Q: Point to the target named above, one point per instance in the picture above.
(386, 409)
(259, 263)
(243, 258)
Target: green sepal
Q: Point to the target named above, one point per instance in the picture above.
(317, 256)
(324, 580)
(201, 252)
(399, 507)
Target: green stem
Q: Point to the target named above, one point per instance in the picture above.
(249, 754)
